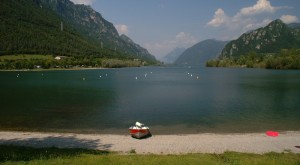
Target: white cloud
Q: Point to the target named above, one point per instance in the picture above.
(219, 18)
(184, 39)
(244, 16)
(85, 2)
(248, 18)
(255, 24)
(289, 19)
(122, 29)
(262, 6)
(160, 49)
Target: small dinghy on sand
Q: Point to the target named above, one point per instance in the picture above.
(139, 131)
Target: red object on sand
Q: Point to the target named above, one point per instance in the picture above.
(272, 133)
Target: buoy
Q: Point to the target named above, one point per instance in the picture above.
(83, 79)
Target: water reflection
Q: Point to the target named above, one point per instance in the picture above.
(171, 100)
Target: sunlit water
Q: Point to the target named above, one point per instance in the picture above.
(170, 100)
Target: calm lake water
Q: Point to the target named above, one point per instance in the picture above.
(170, 100)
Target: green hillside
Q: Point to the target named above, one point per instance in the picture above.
(270, 39)
(32, 27)
(28, 29)
(276, 46)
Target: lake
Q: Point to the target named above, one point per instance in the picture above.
(170, 100)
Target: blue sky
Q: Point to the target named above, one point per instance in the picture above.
(162, 25)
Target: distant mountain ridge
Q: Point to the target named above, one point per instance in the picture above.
(61, 27)
(136, 48)
(172, 56)
(83, 18)
(270, 39)
(91, 23)
(201, 52)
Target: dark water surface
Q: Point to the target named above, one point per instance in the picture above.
(170, 100)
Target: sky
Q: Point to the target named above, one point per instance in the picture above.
(162, 25)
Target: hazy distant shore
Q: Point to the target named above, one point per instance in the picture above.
(160, 144)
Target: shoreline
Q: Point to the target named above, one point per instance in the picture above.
(51, 69)
(258, 143)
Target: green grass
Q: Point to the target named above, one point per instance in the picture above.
(28, 155)
(26, 57)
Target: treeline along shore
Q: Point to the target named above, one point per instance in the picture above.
(286, 59)
(19, 62)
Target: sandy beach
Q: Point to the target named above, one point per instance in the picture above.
(160, 144)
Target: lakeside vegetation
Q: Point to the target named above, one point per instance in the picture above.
(28, 155)
(18, 62)
(286, 59)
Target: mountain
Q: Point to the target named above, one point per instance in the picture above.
(201, 52)
(26, 28)
(90, 23)
(172, 56)
(135, 48)
(61, 27)
(270, 39)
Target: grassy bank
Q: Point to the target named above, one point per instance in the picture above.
(28, 155)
